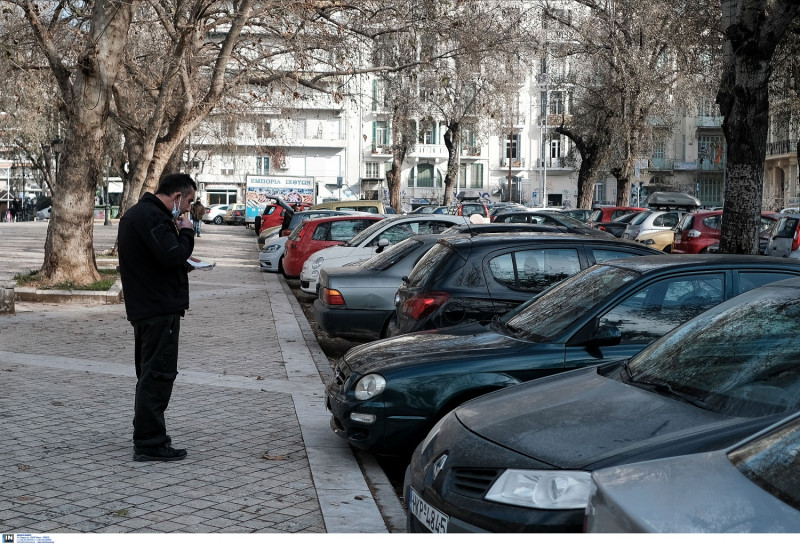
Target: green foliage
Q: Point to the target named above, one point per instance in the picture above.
(34, 278)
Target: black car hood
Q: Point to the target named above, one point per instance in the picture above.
(460, 342)
(580, 418)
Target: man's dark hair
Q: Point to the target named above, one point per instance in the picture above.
(175, 183)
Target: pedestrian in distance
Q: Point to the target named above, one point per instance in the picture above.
(155, 240)
(198, 209)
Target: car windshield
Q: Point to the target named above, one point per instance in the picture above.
(392, 255)
(555, 310)
(367, 233)
(628, 217)
(430, 265)
(740, 359)
(786, 228)
(567, 220)
(771, 462)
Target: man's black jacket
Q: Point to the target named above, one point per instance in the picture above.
(152, 260)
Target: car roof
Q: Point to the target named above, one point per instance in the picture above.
(647, 263)
(544, 237)
(345, 218)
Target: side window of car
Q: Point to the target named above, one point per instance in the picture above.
(603, 255)
(658, 308)
(322, 232)
(397, 233)
(502, 268)
(538, 269)
(432, 227)
(341, 231)
(751, 280)
(669, 220)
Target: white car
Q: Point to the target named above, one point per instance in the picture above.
(43, 214)
(373, 239)
(215, 214)
(270, 256)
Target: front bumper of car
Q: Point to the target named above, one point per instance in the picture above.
(270, 262)
(453, 469)
(309, 278)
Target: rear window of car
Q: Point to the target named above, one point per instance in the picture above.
(431, 266)
(713, 222)
(596, 216)
(786, 228)
(392, 255)
(639, 219)
(469, 209)
(771, 462)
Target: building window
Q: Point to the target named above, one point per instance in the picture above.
(555, 149)
(372, 170)
(263, 129)
(710, 148)
(709, 190)
(263, 165)
(381, 133)
(476, 176)
(226, 171)
(556, 105)
(513, 147)
(427, 134)
(425, 175)
(659, 147)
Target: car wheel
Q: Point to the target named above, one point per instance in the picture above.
(667, 249)
(218, 220)
(280, 266)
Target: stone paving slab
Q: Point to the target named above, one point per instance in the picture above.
(248, 405)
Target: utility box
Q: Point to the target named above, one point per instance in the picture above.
(7, 298)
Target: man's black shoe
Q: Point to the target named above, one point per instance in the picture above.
(161, 453)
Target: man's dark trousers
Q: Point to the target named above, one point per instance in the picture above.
(156, 356)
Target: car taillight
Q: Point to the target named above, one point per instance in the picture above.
(795, 242)
(332, 297)
(420, 306)
(693, 233)
(601, 228)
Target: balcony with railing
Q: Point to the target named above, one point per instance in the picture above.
(708, 121)
(378, 150)
(429, 151)
(555, 119)
(781, 147)
(660, 164)
(470, 151)
(516, 162)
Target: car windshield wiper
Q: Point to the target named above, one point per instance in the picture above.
(660, 387)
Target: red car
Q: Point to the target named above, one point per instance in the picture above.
(274, 213)
(311, 236)
(606, 214)
(699, 232)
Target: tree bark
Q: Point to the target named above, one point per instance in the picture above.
(451, 138)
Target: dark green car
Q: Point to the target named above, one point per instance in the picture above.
(387, 394)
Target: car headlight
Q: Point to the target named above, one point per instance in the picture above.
(317, 262)
(546, 489)
(270, 248)
(647, 242)
(370, 386)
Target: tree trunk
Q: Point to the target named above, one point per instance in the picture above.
(69, 252)
(451, 139)
(751, 34)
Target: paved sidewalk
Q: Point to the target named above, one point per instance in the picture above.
(247, 404)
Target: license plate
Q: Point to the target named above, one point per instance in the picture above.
(430, 517)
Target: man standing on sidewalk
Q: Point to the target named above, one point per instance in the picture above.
(155, 240)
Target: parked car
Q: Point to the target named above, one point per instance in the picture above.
(235, 214)
(651, 221)
(275, 212)
(502, 207)
(660, 239)
(520, 459)
(372, 241)
(356, 302)
(550, 219)
(296, 219)
(699, 232)
(43, 214)
(607, 313)
(429, 209)
(784, 240)
(752, 487)
(466, 279)
(311, 236)
(215, 214)
(617, 227)
(581, 214)
(611, 213)
(366, 206)
(468, 208)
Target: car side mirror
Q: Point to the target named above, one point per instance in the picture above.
(382, 244)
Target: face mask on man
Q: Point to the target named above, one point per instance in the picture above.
(176, 208)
